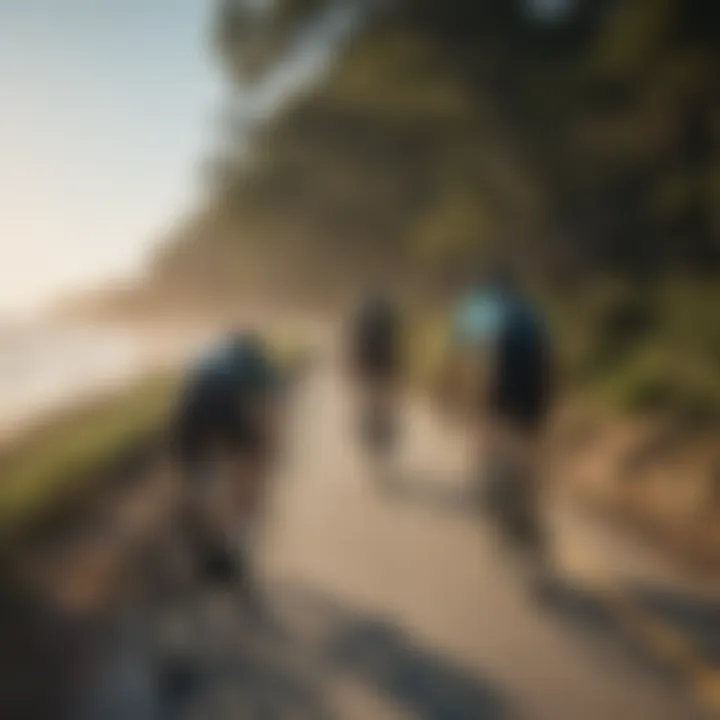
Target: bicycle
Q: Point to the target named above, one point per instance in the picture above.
(379, 429)
(509, 502)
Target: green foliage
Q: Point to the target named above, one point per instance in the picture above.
(646, 349)
(450, 130)
(449, 124)
(398, 74)
(632, 36)
(248, 43)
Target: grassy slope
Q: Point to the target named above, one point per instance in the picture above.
(59, 460)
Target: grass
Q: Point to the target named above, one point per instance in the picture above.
(647, 350)
(63, 457)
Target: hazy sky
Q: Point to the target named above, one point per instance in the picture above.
(106, 108)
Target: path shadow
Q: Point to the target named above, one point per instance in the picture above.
(45, 656)
(302, 664)
(421, 682)
(264, 688)
(381, 658)
(592, 621)
(612, 637)
(573, 604)
(696, 618)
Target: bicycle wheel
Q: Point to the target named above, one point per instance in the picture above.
(512, 508)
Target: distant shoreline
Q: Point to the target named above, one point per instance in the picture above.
(47, 367)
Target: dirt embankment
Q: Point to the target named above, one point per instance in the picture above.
(658, 479)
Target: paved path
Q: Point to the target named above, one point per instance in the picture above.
(398, 604)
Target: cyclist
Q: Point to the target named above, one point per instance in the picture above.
(468, 360)
(226, 432)
(507, 335)
(375, 366)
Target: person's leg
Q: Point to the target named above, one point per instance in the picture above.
(384, 402)
(487, 433)
(366, 395)
(494, 448)
(249, 489)
(178, 621)
(524, 443)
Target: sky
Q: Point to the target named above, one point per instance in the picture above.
(550, 9)
(106, 109)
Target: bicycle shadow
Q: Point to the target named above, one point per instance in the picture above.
(382, 660)
(696, 617)
(315, 658)
(582, 609)
(43, 655)
(615, 638)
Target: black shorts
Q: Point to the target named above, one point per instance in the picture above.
(211, 557)
(521, 403)
(376, 365)
(527, 415)
(192, 448)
